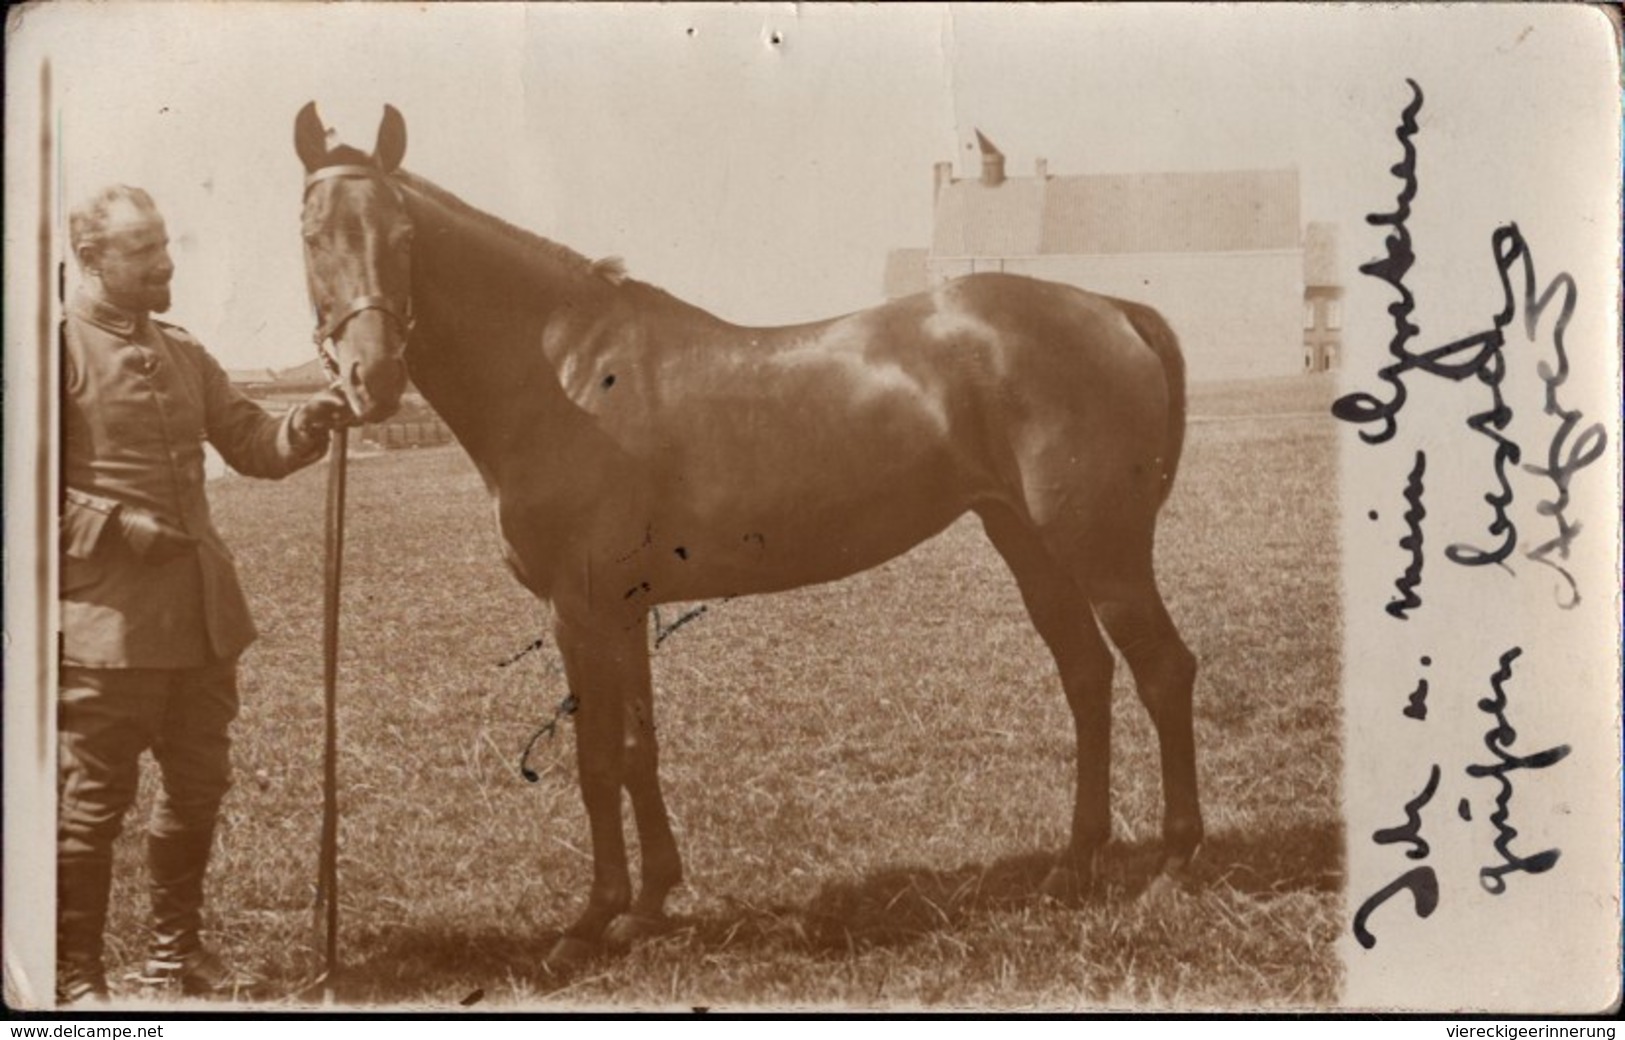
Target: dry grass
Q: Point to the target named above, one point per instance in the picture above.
(867, 779)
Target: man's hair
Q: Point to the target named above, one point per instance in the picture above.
(87, 222)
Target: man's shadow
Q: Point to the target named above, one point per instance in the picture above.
(888, 908)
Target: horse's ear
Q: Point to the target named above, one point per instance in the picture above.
(309, 139)
(391, 147)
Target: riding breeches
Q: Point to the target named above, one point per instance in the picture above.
(106, 719)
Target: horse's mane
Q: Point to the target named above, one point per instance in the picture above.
(609, 269)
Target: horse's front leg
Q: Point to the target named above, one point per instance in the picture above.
(604, 663)
(662, 868)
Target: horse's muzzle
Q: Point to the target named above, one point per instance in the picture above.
(373, 388)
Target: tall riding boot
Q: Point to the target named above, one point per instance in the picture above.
(82, 886)
(176, 864)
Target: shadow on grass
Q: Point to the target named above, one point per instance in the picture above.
(456, 962)
(898, 906)
(890, 908)
(1306, 857)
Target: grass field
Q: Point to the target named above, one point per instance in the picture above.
(868, 779)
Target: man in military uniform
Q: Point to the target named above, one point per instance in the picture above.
(153, 618)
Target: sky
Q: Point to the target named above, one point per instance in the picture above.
(758, 160)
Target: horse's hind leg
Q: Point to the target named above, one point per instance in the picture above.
(1130, 606)
(1061, 612)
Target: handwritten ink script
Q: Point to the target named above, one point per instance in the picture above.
(1482, 363)
(1574, 444)
(1422, 881)
(554, 666)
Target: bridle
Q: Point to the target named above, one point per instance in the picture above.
(326, 330)
(338, 452)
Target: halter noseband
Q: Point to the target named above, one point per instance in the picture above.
(326, 330)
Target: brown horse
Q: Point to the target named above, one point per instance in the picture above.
(641, 451)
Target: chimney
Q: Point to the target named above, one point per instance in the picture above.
(992, 161)
(1041, 169)
(942, 175)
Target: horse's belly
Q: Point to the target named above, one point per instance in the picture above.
(774, 535)
(775, 555)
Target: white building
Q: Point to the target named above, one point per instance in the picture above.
(1220, 254)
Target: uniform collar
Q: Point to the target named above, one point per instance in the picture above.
(105, 315)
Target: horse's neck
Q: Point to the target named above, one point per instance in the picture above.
(481, 302)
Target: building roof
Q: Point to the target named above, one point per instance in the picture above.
(976, 219)
(311, 375)
(1105, 214)
(906, 273)
(250, 376)
(1320, 255)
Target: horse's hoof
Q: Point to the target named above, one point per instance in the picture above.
(629, 928)
(1173, 882)
(568, 954)
(1065, 885)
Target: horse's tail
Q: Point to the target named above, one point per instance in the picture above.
(1161, 339)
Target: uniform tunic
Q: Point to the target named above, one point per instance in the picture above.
(139, 399)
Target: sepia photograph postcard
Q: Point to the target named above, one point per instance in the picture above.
(552, 508)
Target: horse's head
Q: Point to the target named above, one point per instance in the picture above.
(358, 241)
